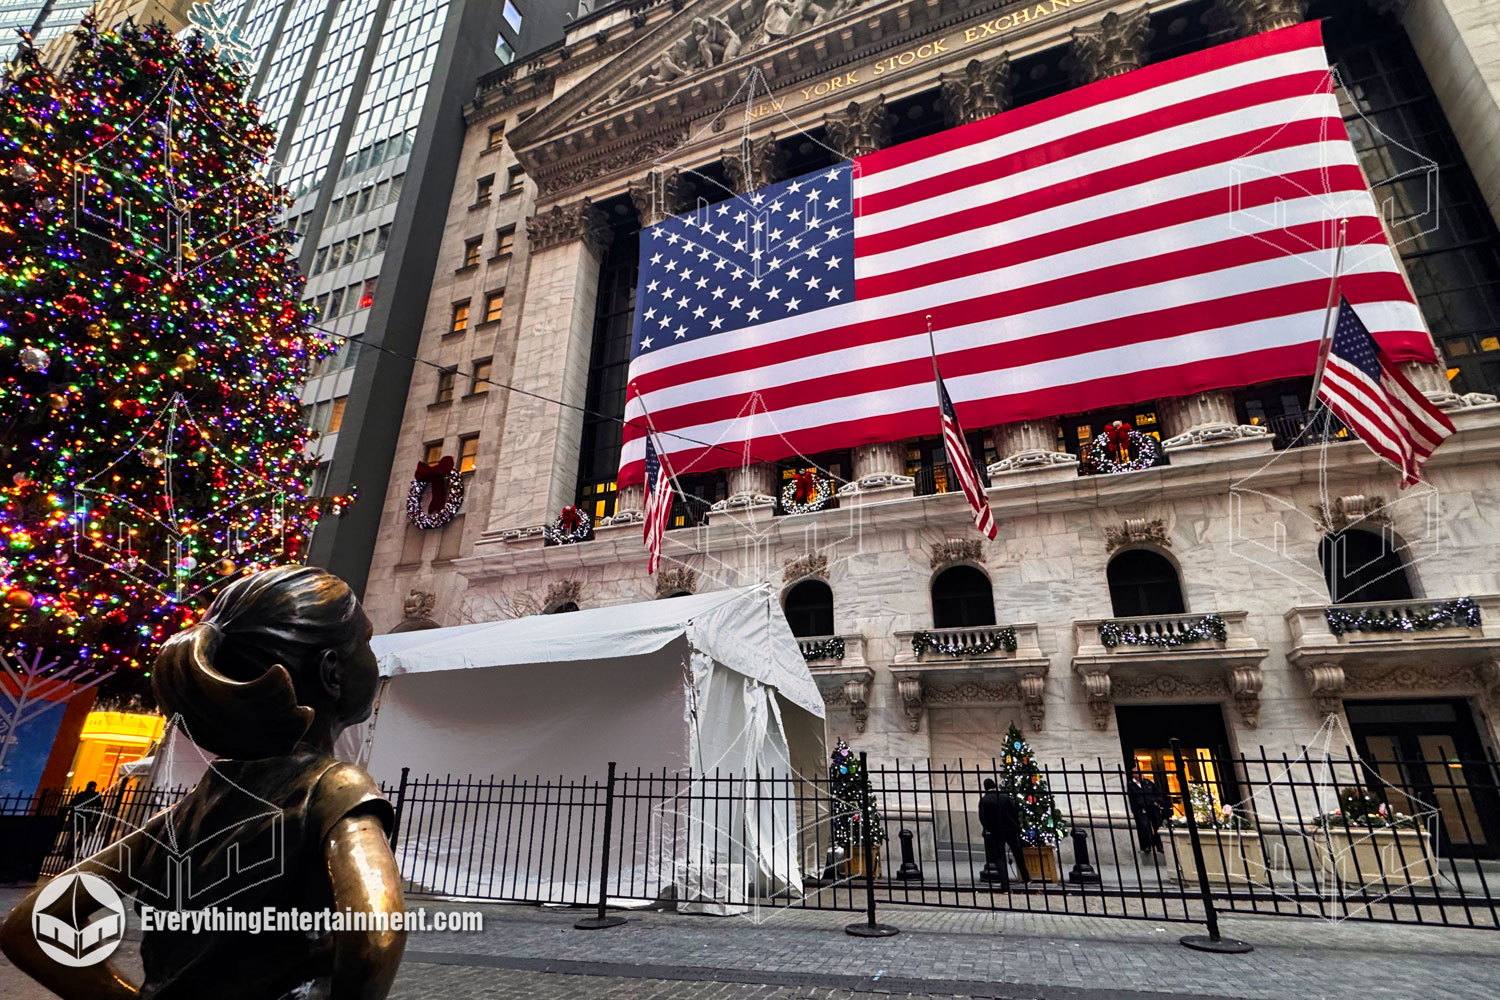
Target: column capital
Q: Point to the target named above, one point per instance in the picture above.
(1251, 17)
(1115, 44)
(754, 163)
(1202, 418)
(561, 224)
(860, 128)
(659, 194)
(979, 90)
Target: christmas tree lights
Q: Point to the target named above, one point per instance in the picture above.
(152, 340)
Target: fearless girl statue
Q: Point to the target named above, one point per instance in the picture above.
(279, 666)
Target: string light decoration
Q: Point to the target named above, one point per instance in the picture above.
(1042, 823)
(571, 525)
(831, 648)
(152, 343)
(1460, 613)
(925, 642)
(446, 484)
(1209, 628)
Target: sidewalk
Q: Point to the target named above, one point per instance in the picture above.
(527, 952)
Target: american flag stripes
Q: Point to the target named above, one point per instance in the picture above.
(962, 462)
(658, 505)
(1156, 234)
(1373, 399)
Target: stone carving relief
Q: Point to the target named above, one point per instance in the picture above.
(1096, 686)
(1033, 686)
(1415, 677)
(972, 693)
(710, 41)
(564, 592)
(856, 690)
(1351, 510)
(785, 18)
(1245, 684)
(565, 223)
(418, 604)
(1325, 681)
(910, 690)
(1137, 531)
(1159, 686)
(810, 564)
(980, 90)
(675, 579)
(956, 550)
(1251, 17)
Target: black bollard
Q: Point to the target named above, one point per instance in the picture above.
(1082, 873)
(909, 869)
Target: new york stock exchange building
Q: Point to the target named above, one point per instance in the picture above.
(1219, 566)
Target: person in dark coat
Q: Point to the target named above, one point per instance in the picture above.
(1149, 810)
(81, 816)
(1000, 818)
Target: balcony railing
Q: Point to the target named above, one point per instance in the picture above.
(1375, 626)
(1291, 431)
(934, 479)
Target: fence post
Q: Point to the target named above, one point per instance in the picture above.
(601, 920)
(869, 928)
(1198, 942)
(400, 807)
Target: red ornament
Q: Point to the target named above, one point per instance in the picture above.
(74, 304)
(135, 284)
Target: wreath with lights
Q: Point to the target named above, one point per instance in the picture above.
(805, 493)
(445, 484)
(1122, 448)
(572, 524)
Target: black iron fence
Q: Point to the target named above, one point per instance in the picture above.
(1334, 836)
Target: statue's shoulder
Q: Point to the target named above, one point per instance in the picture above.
(343, 789)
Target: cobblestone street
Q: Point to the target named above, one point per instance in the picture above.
(800, 955)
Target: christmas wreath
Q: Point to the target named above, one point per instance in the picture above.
(1122, 448)
(446, 485)
(571, 525)
(805, 493)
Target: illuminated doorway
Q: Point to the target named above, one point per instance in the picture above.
(1146, 732)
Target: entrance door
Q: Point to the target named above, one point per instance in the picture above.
(1430, 752)
(1146, 732)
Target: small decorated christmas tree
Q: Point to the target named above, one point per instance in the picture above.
(846, 786)
(1042, 824)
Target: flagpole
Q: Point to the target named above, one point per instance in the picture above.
(1328, 313)
(932, 347)
(661, 456)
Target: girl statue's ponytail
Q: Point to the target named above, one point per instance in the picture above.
(215, 675)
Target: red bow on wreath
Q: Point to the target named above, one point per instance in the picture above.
(436, 477)
(569, 519)
(1117, 437)
(804, 486)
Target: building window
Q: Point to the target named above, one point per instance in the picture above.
(367, 294)
(809, 609)
(460, 317)
(482, 189)
(1143, 583)
(1363, 566)
(503, 51)
(446, 378)
(335, 303)
(319, 260)
(494, 305)
(497, 136)
(479, 382)
(505, 241)
(512, 16)
(468, 452)
(382, 238)
(432, 452)
(472, 248)
(962, 598)
(514, 178)
(336, 415)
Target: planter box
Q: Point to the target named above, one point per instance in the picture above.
(855, 867)
(1231, 857)
(1376, 858)
(1041, 863)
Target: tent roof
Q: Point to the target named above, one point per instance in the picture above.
(744, 630)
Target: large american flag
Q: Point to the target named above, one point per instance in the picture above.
(1377, 402)
(962, 461)
(1157, 234)
(658, 505)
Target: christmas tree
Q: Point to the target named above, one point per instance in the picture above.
(152, 340)
(1042, 823)
(846, 784)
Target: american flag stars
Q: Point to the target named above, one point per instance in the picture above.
(782, 250)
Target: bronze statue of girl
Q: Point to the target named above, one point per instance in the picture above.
(277, 669)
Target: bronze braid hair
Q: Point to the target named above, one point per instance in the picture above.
(230, 676)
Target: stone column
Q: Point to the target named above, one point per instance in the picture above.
(1251, 17)
(755, 163)
(1202, 418)
(1115, 44)
(860, 129)
(552, 357)
(1029, 445)
(979, 90)
(1433, 381)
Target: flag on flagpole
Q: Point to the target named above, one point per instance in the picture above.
(962, 463)
(1369, 394)
(658, 504)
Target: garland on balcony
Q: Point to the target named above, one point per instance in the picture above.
(829, 649)
(1461, 613)
(1205, 629)
(927, 642)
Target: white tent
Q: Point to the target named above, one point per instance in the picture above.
(703, 690)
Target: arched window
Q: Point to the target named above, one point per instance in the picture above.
(1142, 582)
(961, 597)
(809, 609)
(1363, 566)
